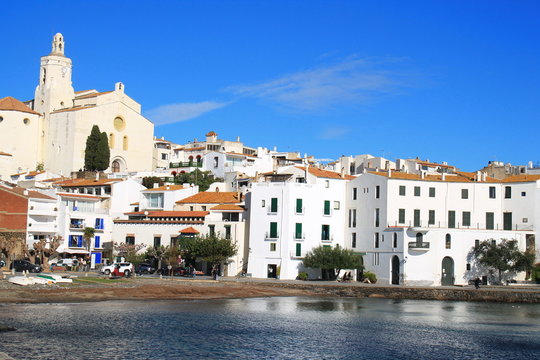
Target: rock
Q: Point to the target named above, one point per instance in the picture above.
(6, 328)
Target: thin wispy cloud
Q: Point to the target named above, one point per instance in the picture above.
(350, 81)
(333, 133)
(171, 113)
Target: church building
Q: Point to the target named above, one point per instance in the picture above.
(53, 127)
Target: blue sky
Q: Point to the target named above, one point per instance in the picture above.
(455, 81)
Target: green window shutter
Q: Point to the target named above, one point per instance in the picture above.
(507, 221)
(298, 231)
(298, 249)
(416, 217)
(326, 207)
(402, 190)
(325, 235)
(451, 219)
(466, 218)
(401, 216)
(273, 205)
(490, 221)
(273, 230)
(431, 219)
(298, 206)
(431, 192)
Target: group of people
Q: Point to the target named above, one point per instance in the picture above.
(346, 277)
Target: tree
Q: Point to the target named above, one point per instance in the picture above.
(159, 253)
(210, 248)
(504, 257)
(149, 181)
(97, 153)
(201, 178)
(88, 235)
(130, 252)
(332, 259)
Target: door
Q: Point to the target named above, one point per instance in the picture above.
(395, 270)
(272, 271)
(507, 221)
(447, 278)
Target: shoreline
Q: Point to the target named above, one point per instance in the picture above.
(100, 289)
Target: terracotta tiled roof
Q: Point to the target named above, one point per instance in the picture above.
(189, 230)
(162, 140)
(238, 154)
(135, 203)
(325, 173)
(430, 164)
(83, 91)
(85, 182)
(521, 178)
(12, 104)
(31, 194)
(211, 133)
(31, 173)
(195, 148)
(76, 108)
(211, 197)
(166, 188)
(230, 207)
(176, 214)
(4, 154)
(92, 95)
(154, 221)
(81, 196)
(430, 177)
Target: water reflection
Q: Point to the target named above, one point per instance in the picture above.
(271, 328)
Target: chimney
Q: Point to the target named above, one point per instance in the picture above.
(342, 172)
(389, 173)
(443, 176)
(484, 176)
(422, 174)
(25, 193)
(97, 175)
(156, 185)
(168, 187)
(478, 176)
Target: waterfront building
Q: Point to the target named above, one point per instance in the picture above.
(55, 124)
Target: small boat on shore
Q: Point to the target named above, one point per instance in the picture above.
(55, 278)
(41, 279)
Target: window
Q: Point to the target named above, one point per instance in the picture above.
(26, 121)
(353, 240)
(466, 218)
(417, 191)
(490, 221)
(431, 192)
(130, 240)
(394, 240)
(228, 232)
(448, 242)
(72, 241)
(155, 200)
(350, 217)
(377, 240)
(468, 267)
(493, 242)
(326, 207)
(507, 192)
(354, 217)
(164, 156)
(212, 230)
(115, 166)
(377, 192)
(451, 219)
(431, 217)
(273, 205)
(326, 183)
(476, 244)
(299, 208)
(99, 224)
(377, 212)
(402, 190)
(157, 241)
(97, 242)
(325, 232)
(416, 217)
(298, 231)
(111, 141)
(273, 230)
(523, 193)
(419, 238)
(203, 208)
(336, 205)
(298, 251)
(401, 216)
(125, 143)
(492, 193)
(263, 203)
(119, 123)
(507, 221)
(464, 193)
(230, 216)
(216, 161)
(273, 246)
(354, 193)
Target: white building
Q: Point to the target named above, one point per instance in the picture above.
(290, 213)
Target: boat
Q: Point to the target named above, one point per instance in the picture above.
(55, 278)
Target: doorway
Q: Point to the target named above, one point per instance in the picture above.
(395, 270)
(272, 271)
(447, 278)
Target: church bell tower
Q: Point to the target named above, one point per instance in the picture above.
(54, 91)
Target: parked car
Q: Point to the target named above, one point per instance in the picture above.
(21, 265)
(65, 262)
(125, 268)
(145, 268)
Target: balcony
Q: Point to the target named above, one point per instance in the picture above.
(299, 237)
(185, 164)
(43, 210)
(271, 236)
(419, 246)
(425, 226)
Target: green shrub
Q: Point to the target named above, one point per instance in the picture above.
(370, 276)
(535, 273)
(302, 276)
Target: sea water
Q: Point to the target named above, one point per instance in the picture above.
(272, 328)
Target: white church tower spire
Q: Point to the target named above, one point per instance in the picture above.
(54, 91)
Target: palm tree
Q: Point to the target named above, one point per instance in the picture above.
(88, 235)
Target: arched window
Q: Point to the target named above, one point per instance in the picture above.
(394, 240)
(125, 143)
(199, 159)
(111, 140)
(419, 238)
(115, 166)
(190, 160)
(448, 241)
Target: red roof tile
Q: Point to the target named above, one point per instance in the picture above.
(12, 104)
(211, 197)
(189, 230)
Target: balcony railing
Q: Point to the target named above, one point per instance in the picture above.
(297, 236)
(185, 164)
(271, 236)
(414, 245)
(424, 224)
